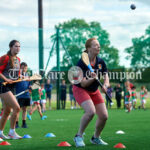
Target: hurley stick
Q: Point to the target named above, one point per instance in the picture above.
(85, 59)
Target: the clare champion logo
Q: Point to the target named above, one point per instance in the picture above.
(75, 75)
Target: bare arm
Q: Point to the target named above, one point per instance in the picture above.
(87, 82)
(106, 80)
(5, 79)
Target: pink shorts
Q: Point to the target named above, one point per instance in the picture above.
(82, 95)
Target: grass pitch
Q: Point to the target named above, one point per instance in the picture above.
(64, 124)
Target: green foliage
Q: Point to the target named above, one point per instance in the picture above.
(74, 34)
(139, 52)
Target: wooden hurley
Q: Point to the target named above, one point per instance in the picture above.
(34, 77)
(85, 59)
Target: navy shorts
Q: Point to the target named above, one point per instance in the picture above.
(7, 88)
(48, 95)
(24, 102)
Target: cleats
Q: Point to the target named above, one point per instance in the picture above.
(43, 117)
(29, 117)
(4, 137)
(14, 136)
(98, 141)
(79, 141)
(24, 126)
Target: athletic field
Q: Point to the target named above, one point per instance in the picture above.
(64, 124)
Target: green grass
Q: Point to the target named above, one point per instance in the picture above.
(64, 124)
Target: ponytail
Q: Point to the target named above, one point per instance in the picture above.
(10, 59)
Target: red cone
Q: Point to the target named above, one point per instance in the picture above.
(119, 145)
(64, 144)
(5, 143)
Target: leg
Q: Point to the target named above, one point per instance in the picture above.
(17, 121)
(89, 109)
(61, 104)
(49, 103)
(6, 112)
(71, 103)
(143, 105)
(128, 107)
(134, 103)
(33, 109)
(119, 102)
(24, 112)
(10, 101)
(39, 110)
(44, 107)
(41, 115)
(64, 104)
(102, 114)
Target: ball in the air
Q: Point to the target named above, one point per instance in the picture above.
(133, 6)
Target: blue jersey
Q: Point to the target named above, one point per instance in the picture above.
(99, 68)
(48, 88)
(22, 86)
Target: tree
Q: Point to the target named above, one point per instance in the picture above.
(74, 34)
(139, 52)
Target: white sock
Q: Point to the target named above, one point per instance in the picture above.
(1, 132)
(11, 131)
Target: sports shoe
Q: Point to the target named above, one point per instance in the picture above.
(97, 141)
(29, 117)
(43, 117)
(14, 136)
(79, 141)
(4, 137)
(24, 125)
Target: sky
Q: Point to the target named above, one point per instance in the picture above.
(19, 20)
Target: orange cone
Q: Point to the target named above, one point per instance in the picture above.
(119, 145)
(5, 143)
(64, 144)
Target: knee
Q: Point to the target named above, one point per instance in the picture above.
(24, 109)
(7, 112)
(104, 117)
(16, 109)
(91, 114)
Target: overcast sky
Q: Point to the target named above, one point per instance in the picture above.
(19, 20)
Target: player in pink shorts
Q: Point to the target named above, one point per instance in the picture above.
(88, 95)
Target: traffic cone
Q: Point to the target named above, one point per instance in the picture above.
(5, 143)
(120, 132)
(50, 135)
(119, 145)
(64, 144)
(27, 136)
